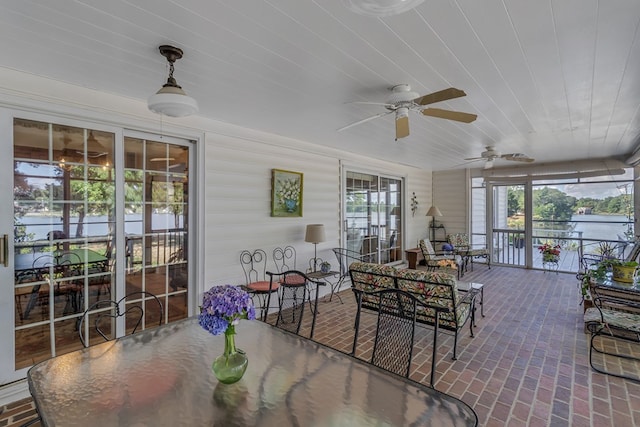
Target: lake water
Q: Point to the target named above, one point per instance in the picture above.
(601, 230)
(40, 225)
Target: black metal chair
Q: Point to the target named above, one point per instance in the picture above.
(345, 257)
(395, 329)
(294, 290)
(134, 306)
(254, 265)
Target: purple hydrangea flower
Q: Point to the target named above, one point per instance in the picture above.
(225, 305)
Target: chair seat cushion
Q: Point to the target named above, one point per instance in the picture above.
(293, 280)
(263, 286)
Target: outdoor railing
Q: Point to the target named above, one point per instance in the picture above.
(509, 248)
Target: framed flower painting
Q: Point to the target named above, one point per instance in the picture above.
(286, 193)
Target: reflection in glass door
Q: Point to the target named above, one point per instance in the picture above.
(373, 217)
(66, 231)
(156, 221)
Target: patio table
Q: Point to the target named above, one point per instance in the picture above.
(163, 376)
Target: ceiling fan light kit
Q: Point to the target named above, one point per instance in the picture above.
(402, 100)
(171, 100)
(381, 8)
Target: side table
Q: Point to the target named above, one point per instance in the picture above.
(477, 288)
(320, 275)
(414, 255)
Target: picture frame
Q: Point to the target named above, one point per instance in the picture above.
(286, 193)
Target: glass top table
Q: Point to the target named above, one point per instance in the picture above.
(163, 377)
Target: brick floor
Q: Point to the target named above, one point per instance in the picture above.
(526, 366)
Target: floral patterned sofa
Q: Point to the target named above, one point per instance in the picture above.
(436, 292)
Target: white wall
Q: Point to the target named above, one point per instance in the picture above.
(451, 194)
(238, 199)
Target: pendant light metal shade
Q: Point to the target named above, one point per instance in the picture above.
(171, 100)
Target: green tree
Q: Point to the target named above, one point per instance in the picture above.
(552, 204)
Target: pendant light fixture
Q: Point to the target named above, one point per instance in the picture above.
(171, 100)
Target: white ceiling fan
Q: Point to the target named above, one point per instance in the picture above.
(403, 99)
(491, 155)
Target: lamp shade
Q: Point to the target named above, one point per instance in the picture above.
(395, 211)
(173, 102)
(434, 211)
(315, 233)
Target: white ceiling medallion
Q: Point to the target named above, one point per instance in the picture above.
(171, 100)
(381, 7)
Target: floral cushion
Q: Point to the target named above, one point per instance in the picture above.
(370, 277)
(434, 288)
(613, 318)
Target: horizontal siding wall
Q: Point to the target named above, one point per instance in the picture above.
(237, 201)
(451, 196)
(238, 205)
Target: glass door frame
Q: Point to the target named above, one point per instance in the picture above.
(396, 211)
(8, 373)
(502, 240)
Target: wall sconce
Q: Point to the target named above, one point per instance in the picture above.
(414, 204)
(171, 100)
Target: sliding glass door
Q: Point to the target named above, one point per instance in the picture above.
(373, 217)
(98, 214)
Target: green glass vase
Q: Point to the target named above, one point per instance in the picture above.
(230, 366)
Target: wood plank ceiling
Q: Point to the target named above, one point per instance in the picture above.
(556, 80)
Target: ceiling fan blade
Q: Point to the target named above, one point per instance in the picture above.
(473, 159)
(384, 104)
(449, 115)
(441, 95)
(365, 120)
(518, 157)
(402, 127)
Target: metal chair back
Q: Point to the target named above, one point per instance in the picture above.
(254, 265)
(395, 329)
(136, 307)
(284, 258)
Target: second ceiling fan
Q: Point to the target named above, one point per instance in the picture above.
(403, 99)
(491, 155)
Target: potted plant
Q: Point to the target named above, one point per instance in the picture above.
(550, 253)
(591, 275)
(623, 271)
(325, 267)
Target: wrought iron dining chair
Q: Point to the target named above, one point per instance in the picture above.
(395, 329)
(135, 307)
(285, 260)
(254, 266)
(292, 294)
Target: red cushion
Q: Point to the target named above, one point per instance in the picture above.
(263, 286)
(293, 280)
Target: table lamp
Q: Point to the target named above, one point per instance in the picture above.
(434, 212)
(315, 234)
